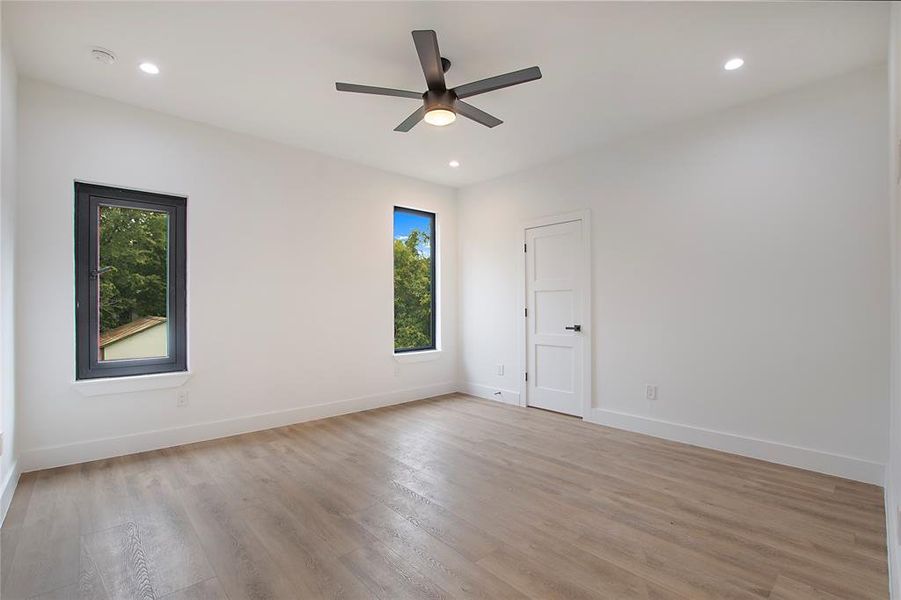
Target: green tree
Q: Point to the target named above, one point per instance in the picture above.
(412, 291)
(133, 249)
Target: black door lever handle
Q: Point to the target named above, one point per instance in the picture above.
(574, 328)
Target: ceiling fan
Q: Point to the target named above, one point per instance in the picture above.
(440, 105)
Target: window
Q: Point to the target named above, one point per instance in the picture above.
(129, 282)
(414, 280)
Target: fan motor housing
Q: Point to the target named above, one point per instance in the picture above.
(439, 99)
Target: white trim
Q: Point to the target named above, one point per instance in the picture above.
(784, 454)
(894, 151)
(134, 383)
(56, 456)
(576, 215)
(891, 539)
(419, 356)
(9, 488)
(490, 393)
(522, 336)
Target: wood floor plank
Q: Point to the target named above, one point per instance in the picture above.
(533, 579)
(388, 578)
(90, 583)
(432, 557)
(69, 592)
(244, 568)
(45, 560)
(454, 531)
(88, 587)
(451, 497)
(789, 589)
(9, 542)
(18, 507)
(106, 496)
(121, 561)
(312, 567)
(333, 528)
(173, 550)
(209, 589)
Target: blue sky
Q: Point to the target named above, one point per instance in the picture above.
(405, 222)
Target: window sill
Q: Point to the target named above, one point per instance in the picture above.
(134, 383)
(420, 356)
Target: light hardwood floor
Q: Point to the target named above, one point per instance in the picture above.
(445, 498)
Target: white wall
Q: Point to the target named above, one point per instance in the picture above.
(289, 276)
(740, 262)
(8, 82)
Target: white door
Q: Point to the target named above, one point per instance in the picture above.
(554, 298)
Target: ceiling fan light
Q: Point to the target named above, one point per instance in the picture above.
(440, 117)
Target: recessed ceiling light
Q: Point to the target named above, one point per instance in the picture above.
(454, 164)
(149, 68)
(733, 63)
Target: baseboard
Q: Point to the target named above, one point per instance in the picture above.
(775, 452)
(9, 488)
(489, 393)
(68, 454)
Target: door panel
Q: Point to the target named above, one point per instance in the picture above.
(554, 368)
(552, 307)
(553, 253)
(554, 294)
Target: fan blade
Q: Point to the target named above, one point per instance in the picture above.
(430, 58)
(495, 83)
(410, 121)
(378, 91)
(479, 116)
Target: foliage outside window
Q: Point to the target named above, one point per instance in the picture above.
(414, 280)
(130, 282)
(133, 247)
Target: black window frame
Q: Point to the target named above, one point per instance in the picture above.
(88, 199)
(433, 256)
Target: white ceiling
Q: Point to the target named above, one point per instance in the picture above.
(610, 69)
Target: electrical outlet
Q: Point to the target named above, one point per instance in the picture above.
(181, 399)
(650, 392)
(500, 369)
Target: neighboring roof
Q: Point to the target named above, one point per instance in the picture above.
(129, 329)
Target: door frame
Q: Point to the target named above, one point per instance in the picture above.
(583, 215)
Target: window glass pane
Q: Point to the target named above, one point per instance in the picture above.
(414, 304)
(133, 257)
